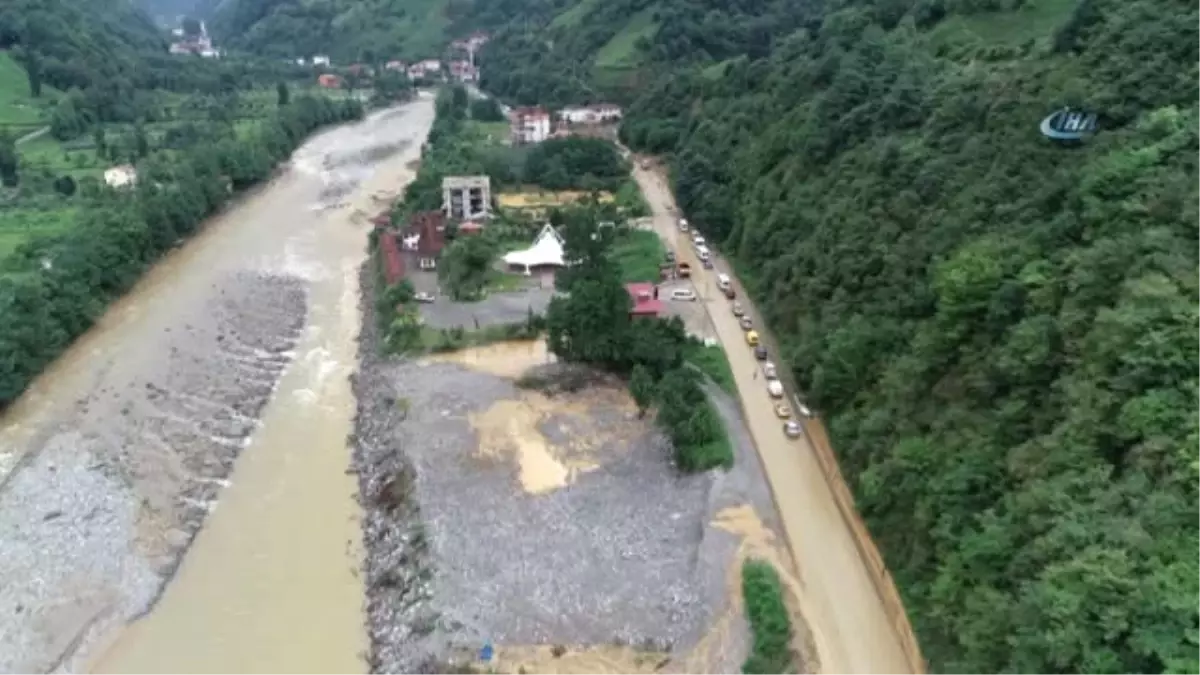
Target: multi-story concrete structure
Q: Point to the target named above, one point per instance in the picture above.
(466, 197)
(530, 125)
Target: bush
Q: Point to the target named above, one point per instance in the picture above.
(769, 621)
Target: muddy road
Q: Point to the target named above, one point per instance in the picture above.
(851, 628)
(121, 457)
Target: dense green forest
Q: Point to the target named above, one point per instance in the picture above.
(1000, 330)
(368, 31)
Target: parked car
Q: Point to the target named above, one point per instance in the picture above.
(729, 292)
(685, 294)
(707, 263)
(782, 410)
(769, 370)
(723, 281)
(737, 309)
(423, 297)
(698, 239)
(685, 270)
(683, 225)
(752, 338)
(703, 254)
(775, 388)
(746, 323)
(760, 352)
(792, 429)
(670, 256)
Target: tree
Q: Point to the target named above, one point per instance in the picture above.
(33, 72)
(642, 388)
(486, 110)
(465, 266)
(282, 95)
(9, 160)
(64, 185)
(141, 144)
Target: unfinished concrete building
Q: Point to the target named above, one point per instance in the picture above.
(466, 197)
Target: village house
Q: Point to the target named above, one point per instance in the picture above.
(395, 65)
(200, 44)
(393, 262)
(424, 69)
(425, 238)
(590, 114)
(463, 71)
(320, 60)
(329, 81)
(120, 176)
(645, 300)
(529, 125)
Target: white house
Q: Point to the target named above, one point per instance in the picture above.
(590, 114)
(546, 251)
(529, 125)
(320, 60)
(120, 176)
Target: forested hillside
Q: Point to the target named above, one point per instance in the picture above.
(347, 30)
(98, 75)
(1000, 330)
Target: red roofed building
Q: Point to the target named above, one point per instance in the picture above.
(645, 299)
(425, 238)
(393, 262)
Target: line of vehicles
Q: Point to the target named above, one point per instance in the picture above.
(791, 427)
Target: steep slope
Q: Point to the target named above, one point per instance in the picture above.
(1000, 330)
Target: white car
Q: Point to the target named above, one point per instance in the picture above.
(423, 297)
(698, 240)
(775, 388)
(792, 429)
(685, 294)
(769, 370)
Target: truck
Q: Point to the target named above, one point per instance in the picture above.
(685, 270)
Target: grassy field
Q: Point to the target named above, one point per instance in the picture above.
(639, 253)
(574, 16)
(712, 362)
(490, 133)
(1035, 20)
(621, 50)
(20, 224)
(17, 107)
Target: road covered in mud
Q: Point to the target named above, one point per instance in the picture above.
(121, 457)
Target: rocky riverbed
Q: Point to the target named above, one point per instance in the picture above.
(100, 507)
(500, 515)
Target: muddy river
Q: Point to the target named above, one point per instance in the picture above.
(270, 583)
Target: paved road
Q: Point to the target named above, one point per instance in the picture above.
(850, 626)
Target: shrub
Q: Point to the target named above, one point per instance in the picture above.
(769, 621)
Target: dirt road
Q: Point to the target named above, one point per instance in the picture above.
(851, 628)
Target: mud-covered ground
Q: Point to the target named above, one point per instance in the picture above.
(95, 517)
(471, 539)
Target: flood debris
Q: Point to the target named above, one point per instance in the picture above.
(620, 556)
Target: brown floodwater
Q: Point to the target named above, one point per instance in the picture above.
(271, 581)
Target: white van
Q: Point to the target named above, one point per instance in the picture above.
(702, 253)
(723, 281)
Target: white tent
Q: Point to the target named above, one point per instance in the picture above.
(547, 249)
